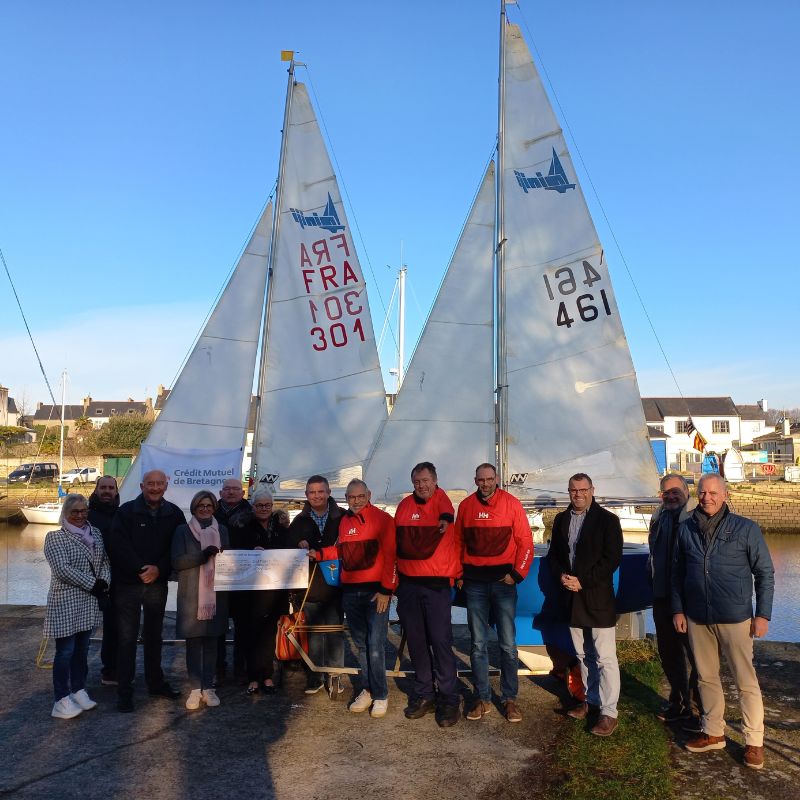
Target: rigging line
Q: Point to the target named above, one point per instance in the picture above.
(599, 203)
(27, 327)
(222, 289)
(343, 183)
(386, 318)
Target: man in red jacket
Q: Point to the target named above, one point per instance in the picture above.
(497, 554)
(366, 551)
(428, 563)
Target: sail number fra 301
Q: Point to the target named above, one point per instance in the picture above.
(566, 285)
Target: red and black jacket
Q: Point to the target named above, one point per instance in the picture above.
(424, 554)
(366, 550)
(496, 537)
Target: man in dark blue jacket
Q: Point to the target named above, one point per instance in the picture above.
(140, 549)
(673, 647)
(719, 558)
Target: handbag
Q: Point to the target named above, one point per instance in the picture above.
(294, 623)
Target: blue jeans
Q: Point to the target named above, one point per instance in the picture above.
(324, 649)
(70, 664)
(369, 631)
(496, 601)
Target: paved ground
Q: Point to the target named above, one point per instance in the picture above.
(294, 747)
(288, 746)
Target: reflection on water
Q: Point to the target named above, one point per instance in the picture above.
(25, 576)
(24, 572)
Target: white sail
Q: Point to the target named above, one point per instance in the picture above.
(209, 404)
(573, 399)
(322, 398)
(444, 411)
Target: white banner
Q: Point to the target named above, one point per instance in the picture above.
(238, 570)
(190, 471)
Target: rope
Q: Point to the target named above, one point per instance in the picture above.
(40, 662)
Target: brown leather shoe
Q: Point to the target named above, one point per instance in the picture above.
(754, 756)
(704, 742)
(579, 712)
(512, 712)
(605, 726)
(478, 709)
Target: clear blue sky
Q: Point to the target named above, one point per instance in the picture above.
(139, 142)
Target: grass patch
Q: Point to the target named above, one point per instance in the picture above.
(633, 764)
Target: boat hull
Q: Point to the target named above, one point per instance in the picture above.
(43, 514)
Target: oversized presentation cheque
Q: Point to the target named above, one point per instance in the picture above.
(239, 570)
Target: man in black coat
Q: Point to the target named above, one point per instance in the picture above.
(585, 550)
(103, 505)
(315, 527)
(140, 548)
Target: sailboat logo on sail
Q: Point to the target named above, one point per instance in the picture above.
(328, 220)
(556, 178)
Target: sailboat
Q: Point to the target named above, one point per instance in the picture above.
(320, 395)
(523, 361)
(50, 513)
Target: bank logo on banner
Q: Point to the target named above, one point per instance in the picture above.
(270, 478)
(555, 180)
(328, 220)
(518, 478)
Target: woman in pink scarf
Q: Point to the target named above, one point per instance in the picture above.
(202, 613)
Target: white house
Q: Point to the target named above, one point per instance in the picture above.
(716, 418)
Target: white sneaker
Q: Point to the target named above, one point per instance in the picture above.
(379, 708)
(193, 700)
(80, 698)
(65, 708)
(362, 702)
(210, 698)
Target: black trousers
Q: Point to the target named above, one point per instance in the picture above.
(130, 601)
(676, 659)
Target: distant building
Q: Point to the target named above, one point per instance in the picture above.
(98, 412)
(721, 422)
(9, 415)
(782, 444)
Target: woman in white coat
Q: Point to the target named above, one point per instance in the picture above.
(80, 575)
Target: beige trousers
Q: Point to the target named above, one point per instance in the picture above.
(707, 641)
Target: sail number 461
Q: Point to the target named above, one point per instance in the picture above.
(566, 284)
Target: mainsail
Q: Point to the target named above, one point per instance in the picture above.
(572, 399)
(208, 407)
(444, 411)
(569, 400)
(322, 395)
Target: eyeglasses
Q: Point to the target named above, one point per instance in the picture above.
(262, 506)
(78, 512)
(580, 491)
(204, 506)
(355, 498)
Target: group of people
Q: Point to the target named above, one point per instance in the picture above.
(703, 565)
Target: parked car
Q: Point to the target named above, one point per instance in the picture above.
(79, 475)
(35, 473)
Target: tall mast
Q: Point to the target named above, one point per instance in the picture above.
(262, 369)
(501, 437)
(401, 327)
(63, 401)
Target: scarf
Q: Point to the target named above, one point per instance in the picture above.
(84, 533)
(708, 525)
(207, 534)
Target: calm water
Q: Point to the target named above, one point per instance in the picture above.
(25, 576)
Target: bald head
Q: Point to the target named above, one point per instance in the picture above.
(711, 493)
(153, 485)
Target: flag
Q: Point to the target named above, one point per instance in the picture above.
(699, 442)
(287, 55)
